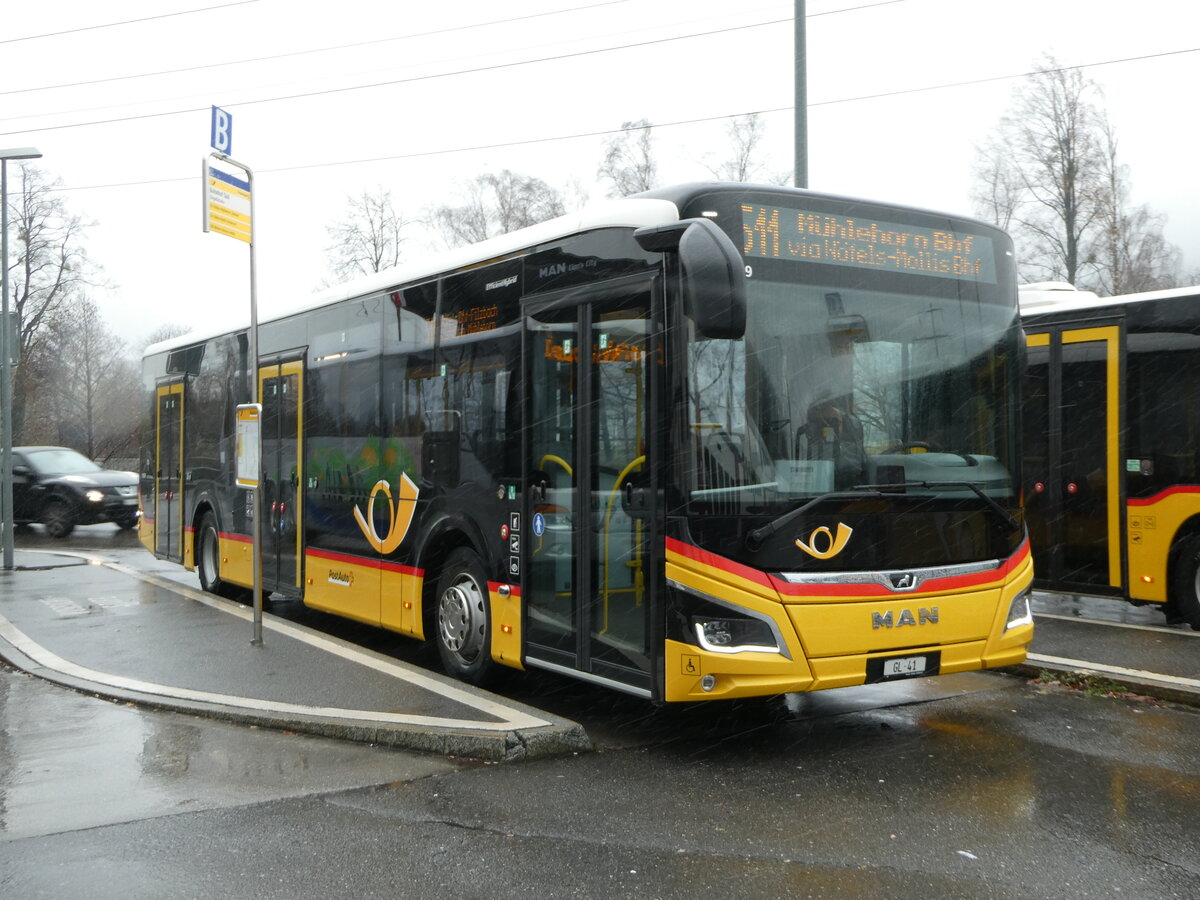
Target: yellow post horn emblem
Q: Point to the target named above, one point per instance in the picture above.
(833, 545)
(400, 515)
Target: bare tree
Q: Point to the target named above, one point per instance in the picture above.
(93, 403)
(1131, 253)
(747, 161)
(629, 160)
(496, 204)
(50, 270)
(368, 239)
(1049, 175)
(164, 333)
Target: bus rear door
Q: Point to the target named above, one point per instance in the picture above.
(168, 473)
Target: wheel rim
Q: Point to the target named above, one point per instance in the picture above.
(461, 619)
(56, 519)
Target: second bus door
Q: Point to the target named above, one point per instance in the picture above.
(281, 391)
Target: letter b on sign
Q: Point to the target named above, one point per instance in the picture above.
(222, 131)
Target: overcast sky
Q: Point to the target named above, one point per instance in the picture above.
(332, 99)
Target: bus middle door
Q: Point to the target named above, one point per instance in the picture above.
(281, 389)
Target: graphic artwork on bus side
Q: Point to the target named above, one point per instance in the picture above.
(400, 514)
(832, 545)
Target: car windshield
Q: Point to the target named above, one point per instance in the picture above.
(60, 461)
(836, 388)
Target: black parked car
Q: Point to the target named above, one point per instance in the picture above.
(62, 488)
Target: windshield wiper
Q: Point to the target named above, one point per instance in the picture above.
(1004, 514)
(754, 540)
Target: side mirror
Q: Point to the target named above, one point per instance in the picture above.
(714, 280)
(20, 470)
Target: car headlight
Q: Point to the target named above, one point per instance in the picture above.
(1019, 611)
(94, 496)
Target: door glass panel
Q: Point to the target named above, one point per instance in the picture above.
(619, 612)
(550, 580)
(167, 507)
(1085, 464)
(1037, 471)
(281, 475)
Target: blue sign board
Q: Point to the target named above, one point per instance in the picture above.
(222, 131)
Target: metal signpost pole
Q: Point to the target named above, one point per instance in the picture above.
(233, 206)
(254, 398)
(8, 339)
(801, 112)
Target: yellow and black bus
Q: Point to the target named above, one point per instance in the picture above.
(1112, 444)
(711, 441)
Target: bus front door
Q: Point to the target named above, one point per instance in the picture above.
(168, 473)
(281, 388)
(587, 587)
(1072, 457)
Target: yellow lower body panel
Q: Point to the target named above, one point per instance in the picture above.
(829, 641)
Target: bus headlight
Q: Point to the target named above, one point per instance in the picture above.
(1019, 611)
(733, 635)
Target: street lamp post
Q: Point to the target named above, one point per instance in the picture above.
(7, 339)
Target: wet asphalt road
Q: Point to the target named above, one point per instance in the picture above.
(980, 785)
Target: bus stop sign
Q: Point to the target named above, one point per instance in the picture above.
(221, 138)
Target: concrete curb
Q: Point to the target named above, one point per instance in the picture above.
(560, 737)
(1138, 684)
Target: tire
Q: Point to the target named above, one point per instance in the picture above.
(464, 619)
(208, 562)
(1184, 602)
(58, 518)
(127, 523)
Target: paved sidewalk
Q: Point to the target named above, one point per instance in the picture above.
(105, 628)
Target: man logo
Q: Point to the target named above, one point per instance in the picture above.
(887, 620)
(400, 515)
(823, 545)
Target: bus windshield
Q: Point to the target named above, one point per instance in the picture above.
(838, 389)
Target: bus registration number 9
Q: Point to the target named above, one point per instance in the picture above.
(902, 666)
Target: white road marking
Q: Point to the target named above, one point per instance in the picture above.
(1162, 629)
(1114, 670)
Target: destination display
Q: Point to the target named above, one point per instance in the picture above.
(780, 232)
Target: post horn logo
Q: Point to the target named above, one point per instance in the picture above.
(822, 544)
(400, 514)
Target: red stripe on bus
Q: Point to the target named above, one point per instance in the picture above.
(1163, 495)
(707, 558)
(381, 564)
(855, 589)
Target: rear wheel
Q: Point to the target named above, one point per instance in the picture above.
(1184, 602)
(464, 619)
(208, 562)
(58, 519)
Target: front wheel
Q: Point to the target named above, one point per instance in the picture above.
(208, 562)
(1184, 602)
(464, 620)
(58, 519)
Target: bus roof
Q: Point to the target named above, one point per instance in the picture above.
(1059, 296)
(624, 213)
